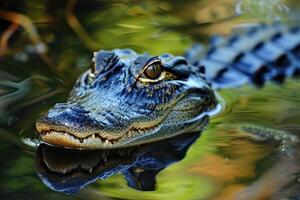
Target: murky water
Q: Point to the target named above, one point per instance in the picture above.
(247, 151)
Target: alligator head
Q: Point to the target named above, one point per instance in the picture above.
(127, 99)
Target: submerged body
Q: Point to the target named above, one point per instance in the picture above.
(128, 99)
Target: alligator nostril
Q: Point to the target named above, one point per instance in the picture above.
(78, 109)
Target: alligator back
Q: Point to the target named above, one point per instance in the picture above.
(255, 55)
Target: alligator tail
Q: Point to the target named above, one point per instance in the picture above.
(254, 55)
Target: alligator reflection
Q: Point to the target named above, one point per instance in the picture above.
(67, 170)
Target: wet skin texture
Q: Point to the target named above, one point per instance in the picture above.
(127, 99)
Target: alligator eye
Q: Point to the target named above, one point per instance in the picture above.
(153, 71)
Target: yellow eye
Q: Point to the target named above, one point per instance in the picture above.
(153, 71)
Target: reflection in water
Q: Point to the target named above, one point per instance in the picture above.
(69, 170)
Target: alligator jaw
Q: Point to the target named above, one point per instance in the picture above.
(65, 138)
(91, 138)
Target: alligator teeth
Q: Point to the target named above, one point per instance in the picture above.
(101, 140)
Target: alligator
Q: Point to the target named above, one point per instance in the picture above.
(127, 99)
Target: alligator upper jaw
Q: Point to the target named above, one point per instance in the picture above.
(67, 138)
(91, 138)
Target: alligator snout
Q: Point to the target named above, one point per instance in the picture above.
(74, 126)
(65, 117)
(67, 121)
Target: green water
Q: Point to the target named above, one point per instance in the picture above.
(225, 162)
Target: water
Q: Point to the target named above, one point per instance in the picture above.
(228, 160)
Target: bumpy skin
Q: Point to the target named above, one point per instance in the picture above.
(256, 55)
(114, 105)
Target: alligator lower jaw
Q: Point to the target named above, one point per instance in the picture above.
(63, 138)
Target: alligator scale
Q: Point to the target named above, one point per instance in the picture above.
(128, 99)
